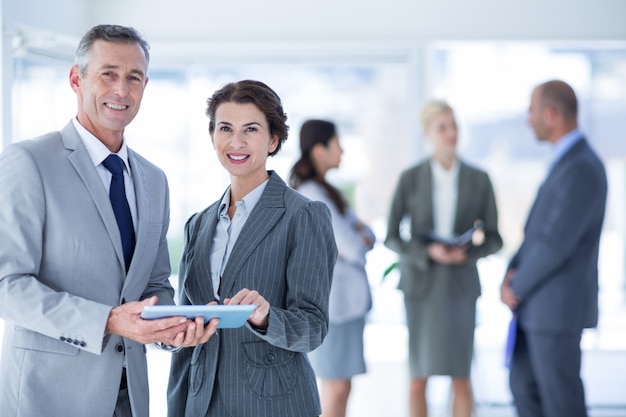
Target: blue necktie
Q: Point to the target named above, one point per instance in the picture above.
(117, 194)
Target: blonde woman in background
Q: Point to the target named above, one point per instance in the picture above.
(444, 196)
(340, 357)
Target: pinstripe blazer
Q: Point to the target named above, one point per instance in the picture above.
(286, 251)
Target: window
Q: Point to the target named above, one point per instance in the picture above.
(374, 104)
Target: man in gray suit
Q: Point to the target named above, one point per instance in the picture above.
(72, 287)
(552, 282)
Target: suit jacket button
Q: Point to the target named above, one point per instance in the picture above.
(270, 358)
(119, 348)
(62, 338)
(83, 344)
(76, 342)
(68, 340)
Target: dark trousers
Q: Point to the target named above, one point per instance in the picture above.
(545, 375)
(123, 408)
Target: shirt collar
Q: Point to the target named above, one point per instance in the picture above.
(564, 144)
(96, 149)
(439, 169)
(249, 201)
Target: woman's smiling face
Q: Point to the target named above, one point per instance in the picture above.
(242, 140)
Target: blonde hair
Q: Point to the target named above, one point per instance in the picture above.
(432, 108)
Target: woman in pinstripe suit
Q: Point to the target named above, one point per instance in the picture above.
(262, 243)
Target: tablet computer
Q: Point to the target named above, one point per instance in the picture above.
(230, 315)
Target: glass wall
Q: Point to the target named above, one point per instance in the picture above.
(172, 128)
(368, 102)
(375, 104)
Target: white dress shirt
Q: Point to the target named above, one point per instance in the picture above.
(98, 153)
(445, 197)
(227, 231)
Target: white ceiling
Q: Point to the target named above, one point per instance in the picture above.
(202, 21)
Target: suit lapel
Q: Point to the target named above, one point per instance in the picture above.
(142, 197)
(196, 271)
(82, 163)
(262, 220)
(425, 183)
(547, 183)
(464, 196)
(574, 150)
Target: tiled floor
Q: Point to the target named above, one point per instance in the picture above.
(382, 392)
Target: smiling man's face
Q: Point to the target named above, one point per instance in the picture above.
(110, 92)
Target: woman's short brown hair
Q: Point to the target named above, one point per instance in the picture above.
(259, 94)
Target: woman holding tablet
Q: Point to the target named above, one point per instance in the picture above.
(262, 243)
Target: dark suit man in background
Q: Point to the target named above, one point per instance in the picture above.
(74, 278)
(552, 282)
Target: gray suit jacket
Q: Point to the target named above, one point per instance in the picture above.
(556, 266)
(413, 202)
(61, 272)
(286, 251)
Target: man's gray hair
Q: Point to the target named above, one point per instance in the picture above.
(109, 33)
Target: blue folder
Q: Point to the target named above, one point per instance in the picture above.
(510, 341)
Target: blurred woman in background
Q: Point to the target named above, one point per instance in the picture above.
(340, 357)
(440, 199)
